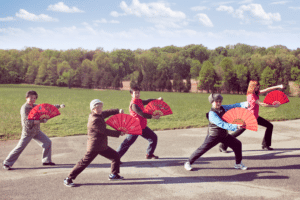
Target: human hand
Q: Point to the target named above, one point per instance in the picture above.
(281, 86)
(121, 111)
(62, 106)
(122, 133)
(43, 120)
(276, 105)
(155, 116)
(160, 98)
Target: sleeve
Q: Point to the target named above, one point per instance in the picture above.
(24, 115)
(215, 119)
(145, 102)
(57, 106)
(108, 113)
(101, 128)
(137, 110)
(242, 105)
(251, 101)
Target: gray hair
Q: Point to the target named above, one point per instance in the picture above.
(214, 97)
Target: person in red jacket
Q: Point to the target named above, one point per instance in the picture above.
(136, 109)
(97, 143)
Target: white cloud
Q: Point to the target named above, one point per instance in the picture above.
(32, 17)
(104, 21)
(295, 8)
(203, 18)
(6, 19)
(279, 2)
(61, 7)
(255, 12)
(199, 8)
(12, 31)
(114, 21)
(275, 27)
(246, 2)
(158, 13)
(89, 28)
(101, 21)
(116, 14)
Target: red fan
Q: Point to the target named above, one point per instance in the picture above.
(43, 111)
(240, 115)
(125, 123)
(158, 107)
(276, 97)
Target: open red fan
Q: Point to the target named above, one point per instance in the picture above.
(43, 111)
(240, 115)
(275, 97)
(158, 107)
(125, 123)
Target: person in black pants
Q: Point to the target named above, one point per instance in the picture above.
(254, 103)
(217, 132)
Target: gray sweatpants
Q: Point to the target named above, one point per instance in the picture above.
(40, 138)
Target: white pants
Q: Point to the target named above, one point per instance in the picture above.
(40, 138)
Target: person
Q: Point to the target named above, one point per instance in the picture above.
(254, 103)
(136, 109)
(98, 143)
(30, 130)
(217, 132)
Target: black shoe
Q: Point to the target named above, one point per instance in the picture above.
(223, 150)
(151, 156)
(6, 167)
(115, 177)
(49, 163)
(268, 148)
(68, 182)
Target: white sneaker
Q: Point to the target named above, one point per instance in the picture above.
(187, 166)
(240, 166)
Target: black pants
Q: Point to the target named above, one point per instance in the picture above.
(211, 141)
(91, 155)
(268, 134)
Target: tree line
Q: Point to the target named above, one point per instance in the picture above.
(223, 69)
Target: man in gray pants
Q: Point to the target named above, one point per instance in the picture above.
(30, 130)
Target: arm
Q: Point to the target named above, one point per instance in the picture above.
(242, 105)
(271, 88)
(215, 119)
(266, 105)
(137, 110)
(145, 102)
(107, 113)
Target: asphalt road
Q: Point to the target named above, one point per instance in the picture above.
(270, 175)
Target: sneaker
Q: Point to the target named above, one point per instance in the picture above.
(115, 177)
(187, 166)
(49, 163)
(240, 166)
(68, 182)
(151, 156)
(268, 148)
(6, 167)
(223, 150)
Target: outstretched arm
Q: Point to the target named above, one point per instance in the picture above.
(271, 88)
(266, 105)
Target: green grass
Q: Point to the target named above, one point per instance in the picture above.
(188, 108)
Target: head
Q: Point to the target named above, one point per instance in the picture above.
(135, 92)
(253, 87)
(96, 106)
(215, 100)
(31, 97)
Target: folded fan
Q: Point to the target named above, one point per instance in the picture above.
(239, 116)
(125, 123)
(158, 107)
(276, 97)
(43, 111)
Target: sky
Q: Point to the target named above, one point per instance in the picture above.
(143, 24)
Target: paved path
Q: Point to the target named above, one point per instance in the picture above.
(271, 174)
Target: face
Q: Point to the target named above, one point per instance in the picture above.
(257, 88)
(217, 104)
(31, 99)
(98, 109)
(136, 94)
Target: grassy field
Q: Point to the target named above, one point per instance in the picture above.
(189, 108)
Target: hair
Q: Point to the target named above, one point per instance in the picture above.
(214, 97)
(134, 88)
(251, 87)
(31, 92)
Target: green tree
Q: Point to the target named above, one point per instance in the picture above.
(242, 80)
(207, 77)
(267, 78)
(195, 68)
(41, 75)
(229, 75)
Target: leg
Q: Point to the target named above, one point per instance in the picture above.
(234, 134)
(16, 152)
(45, 143)
(129, 140)
(209, 142)
(82, 164)
(149, 135)
(235, 145)
(114, 157)
(268, 134)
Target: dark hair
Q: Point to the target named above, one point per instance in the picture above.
(31, 92)
(134, 88)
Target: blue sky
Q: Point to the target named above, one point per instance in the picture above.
(133, 24)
